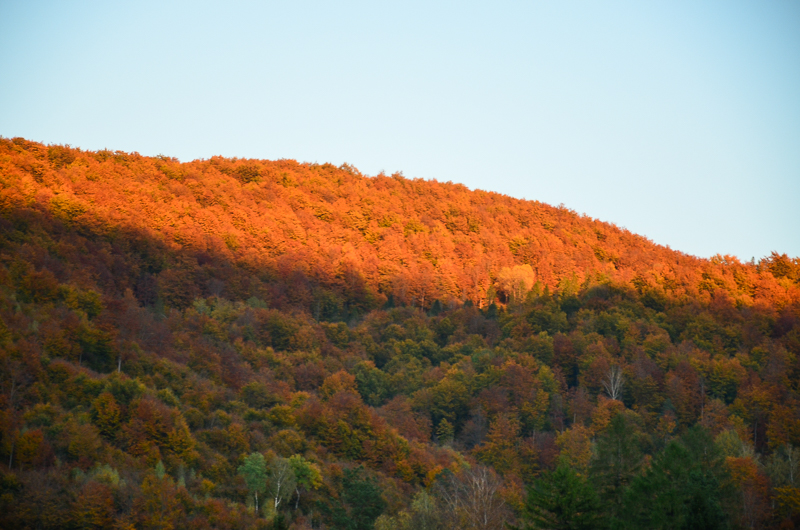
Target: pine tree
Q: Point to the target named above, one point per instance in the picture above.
(563, 500)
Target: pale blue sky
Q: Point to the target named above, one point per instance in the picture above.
(678, 120)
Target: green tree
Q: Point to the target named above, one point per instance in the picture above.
(359, 504)
(373, 384)
(617, 459)
(450, 401)
(682, 488)
(257, 395)
(562, 500)
(281, 481)
(424, 512)
(254, 471)
(307, 475)
(445, 432)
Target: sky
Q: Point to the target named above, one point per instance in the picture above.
(678, 120)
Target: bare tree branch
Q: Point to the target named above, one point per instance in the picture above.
(614, 382)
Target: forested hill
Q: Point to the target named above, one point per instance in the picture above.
(231, 343)
(363, 237)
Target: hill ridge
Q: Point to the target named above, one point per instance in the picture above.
(413, 239)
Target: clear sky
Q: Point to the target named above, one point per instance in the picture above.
(679, 120)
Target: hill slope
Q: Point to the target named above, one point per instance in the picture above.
(416, 240)
(161, 323)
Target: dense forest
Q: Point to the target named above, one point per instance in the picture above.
(233, 343)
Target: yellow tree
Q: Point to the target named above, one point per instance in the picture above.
(515, 282)
(575, 447)
(500, 448)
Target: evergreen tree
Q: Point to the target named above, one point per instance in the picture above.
(359, 504)
(562, 500)
(618, 456)
(436, 308)
(682, 488)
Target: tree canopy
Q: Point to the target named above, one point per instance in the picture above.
(232, 343)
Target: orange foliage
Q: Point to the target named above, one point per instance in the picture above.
(368, 236)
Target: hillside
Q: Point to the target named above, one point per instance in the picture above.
(383, 343)
(415, 240)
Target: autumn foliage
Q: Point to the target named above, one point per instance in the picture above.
(403, 353)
